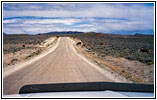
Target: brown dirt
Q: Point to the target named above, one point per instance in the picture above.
(19, 55)
(10, 59)
(132, 70)
(139, 72)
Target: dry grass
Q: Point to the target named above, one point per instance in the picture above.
(113, 66)
(127, 46)
(11, 58)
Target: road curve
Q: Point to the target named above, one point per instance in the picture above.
(62, 65)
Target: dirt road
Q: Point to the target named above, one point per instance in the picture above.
(62, 65)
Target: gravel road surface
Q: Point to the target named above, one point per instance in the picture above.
(62, 65)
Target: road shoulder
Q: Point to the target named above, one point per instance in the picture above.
(94, 63)
(13, 68)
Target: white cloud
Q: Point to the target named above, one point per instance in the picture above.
(124, 26)
(52, 21)
(114, 11)
(85, 25)
(74, 24)
(14, 31)
(9, 21)
(114, 17)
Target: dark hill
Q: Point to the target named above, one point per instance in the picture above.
(62, 32)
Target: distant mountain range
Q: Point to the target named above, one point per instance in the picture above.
(142, 34)
(60, 33)
(71, 32)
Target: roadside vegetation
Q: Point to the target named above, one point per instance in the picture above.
(14, 43)
(131, 56)
(127, 46)
(18, 48)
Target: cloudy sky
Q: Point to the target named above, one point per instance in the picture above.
(121, 18)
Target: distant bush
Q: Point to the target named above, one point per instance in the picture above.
(14, 43)
(149, 63)
(14, 60)
(33, 54)
(120, 45)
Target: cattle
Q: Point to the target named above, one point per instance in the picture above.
(83, 45)
(57, 36)
(144, 50)
(78, 43)
(23, 45)
(102, 43)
